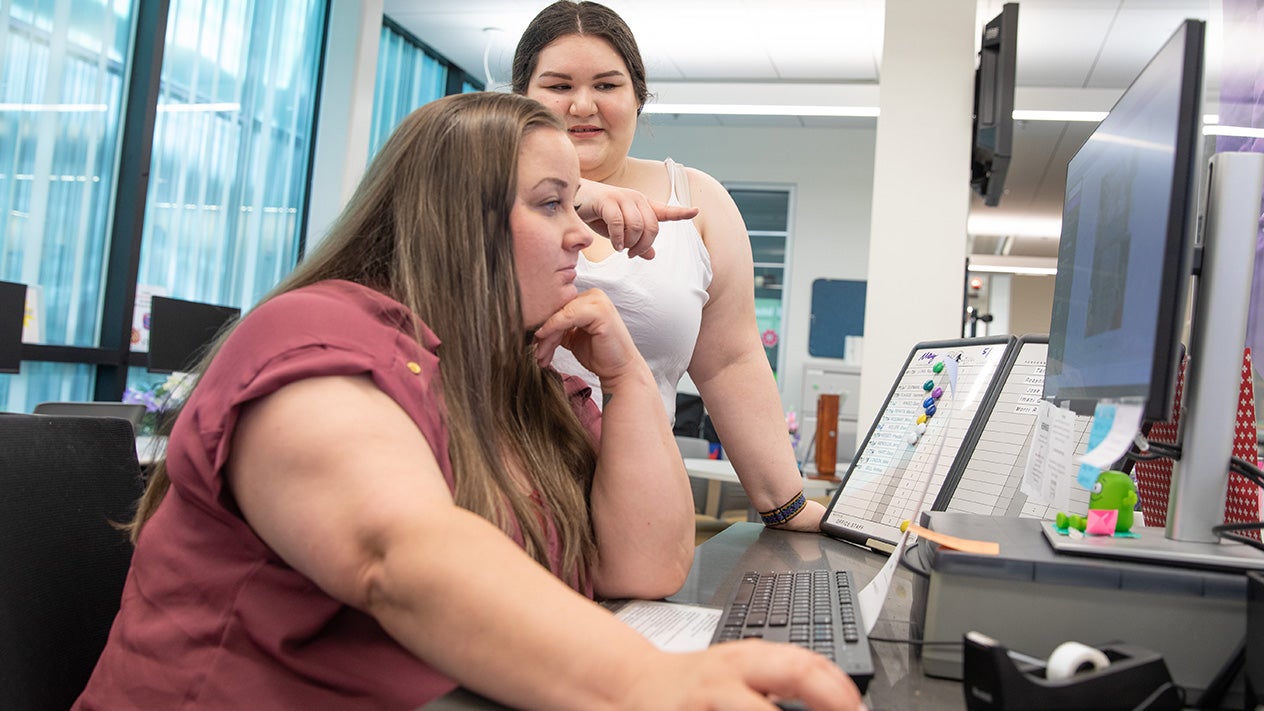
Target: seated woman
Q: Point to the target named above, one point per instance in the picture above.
(380, 490)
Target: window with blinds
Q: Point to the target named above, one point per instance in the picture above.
(766, 211)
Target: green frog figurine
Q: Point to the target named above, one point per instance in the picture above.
(1113, 492)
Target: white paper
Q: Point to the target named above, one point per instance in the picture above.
(670, 626)
(950, 365)
(1036, 477)
(140, 314)
(853, 348)
(1124, 428)
(872, 596)
(1045, 480)
(33, 317)
(1115, 427)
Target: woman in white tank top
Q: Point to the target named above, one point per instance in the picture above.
(692, 306)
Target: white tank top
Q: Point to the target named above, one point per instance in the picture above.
(660, 299)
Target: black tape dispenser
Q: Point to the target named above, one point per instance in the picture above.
(1075, 676)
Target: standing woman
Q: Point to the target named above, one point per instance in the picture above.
(693, 306)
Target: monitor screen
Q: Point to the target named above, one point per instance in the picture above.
(994, 105)
(180, 330)
(12, 313)
(1127, 236)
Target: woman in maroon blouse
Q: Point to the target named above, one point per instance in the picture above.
(379, 489)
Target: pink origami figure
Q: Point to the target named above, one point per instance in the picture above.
(1101, 522)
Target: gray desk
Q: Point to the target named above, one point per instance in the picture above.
(898, 683)
(150, 449)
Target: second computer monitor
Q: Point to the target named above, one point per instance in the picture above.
(180, 331)
(12, 314)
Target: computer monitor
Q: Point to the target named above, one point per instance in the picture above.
(1131, 262)
(179, 331)
(993, 136)
(1127, 238)
(12, 314)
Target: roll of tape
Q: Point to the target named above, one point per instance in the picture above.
(1071, 658)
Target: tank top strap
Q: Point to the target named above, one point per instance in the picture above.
(679, 182)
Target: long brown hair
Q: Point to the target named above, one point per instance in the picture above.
(429, 227)
(565, 17)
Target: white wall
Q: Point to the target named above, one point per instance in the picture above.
(832, 172)
(921, 188)
(345, 112)
(1031, 303)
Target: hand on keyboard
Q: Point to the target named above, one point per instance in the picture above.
(814, 609)
(747, 674)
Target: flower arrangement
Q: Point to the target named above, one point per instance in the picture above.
(158, 397)
(792, 426)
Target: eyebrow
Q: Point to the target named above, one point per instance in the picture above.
(560, 75)
(555, 182)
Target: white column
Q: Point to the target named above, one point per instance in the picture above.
(345, 111)
(921, 193)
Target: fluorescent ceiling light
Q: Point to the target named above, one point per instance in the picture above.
(986, 223)
(1085, 116)
(191, 108)
(100, 108)
(1240, 131)
(1211, 121)
(1035, 115)
(1007, 264)
(761, 110)
(57, 108)
(1002, 269)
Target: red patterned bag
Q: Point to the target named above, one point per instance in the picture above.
(1154, 478)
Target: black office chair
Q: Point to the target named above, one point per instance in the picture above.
(130, 411)
(63, 481)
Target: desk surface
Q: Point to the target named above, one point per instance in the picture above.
(898, 682)
(722, 470)
(150, 448)
(718, 472)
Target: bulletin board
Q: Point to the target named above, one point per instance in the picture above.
(838, 311)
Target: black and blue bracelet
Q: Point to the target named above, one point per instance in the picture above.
(785, 512)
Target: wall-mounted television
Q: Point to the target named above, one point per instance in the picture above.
(993, 136)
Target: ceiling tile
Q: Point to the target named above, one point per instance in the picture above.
(1058, 47)
(1138, 33)
(840, 42)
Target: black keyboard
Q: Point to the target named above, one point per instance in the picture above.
(816, 609)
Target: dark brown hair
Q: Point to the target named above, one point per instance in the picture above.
(566, 17)
(429, 227)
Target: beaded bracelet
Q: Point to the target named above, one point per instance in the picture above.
(785, 512)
